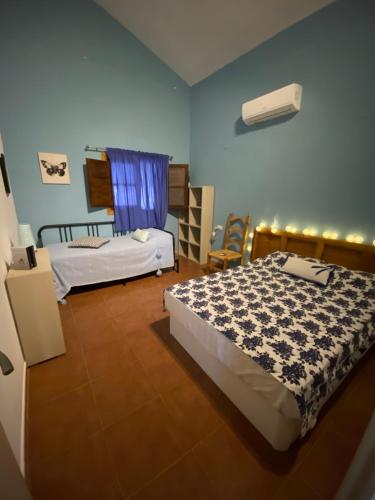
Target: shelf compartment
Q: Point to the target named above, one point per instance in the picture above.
(183, 248)
(194, 253)
(184, 216)
(183, 232)
(195, 199)
(194, 217)
(195, 235)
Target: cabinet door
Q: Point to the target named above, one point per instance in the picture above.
(99, 183)
(178, 190)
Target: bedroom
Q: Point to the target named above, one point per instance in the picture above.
(71, 76)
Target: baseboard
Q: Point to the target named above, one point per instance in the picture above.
(23, 422)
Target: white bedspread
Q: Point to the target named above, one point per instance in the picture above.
(121, 258)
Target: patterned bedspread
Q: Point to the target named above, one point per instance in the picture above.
(306, 336)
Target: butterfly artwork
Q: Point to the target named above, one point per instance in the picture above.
(54, 168)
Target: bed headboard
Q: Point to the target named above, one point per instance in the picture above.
(351, 255)
(65, 231)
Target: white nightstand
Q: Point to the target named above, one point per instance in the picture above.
(35, 309)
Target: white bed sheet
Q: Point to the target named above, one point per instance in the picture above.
(121, 258)
(241, 365)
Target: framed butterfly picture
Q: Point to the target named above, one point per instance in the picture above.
(54, 168)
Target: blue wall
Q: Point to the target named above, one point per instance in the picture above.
(315, 168)
(71, 76)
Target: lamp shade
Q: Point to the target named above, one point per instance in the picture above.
(25, 234)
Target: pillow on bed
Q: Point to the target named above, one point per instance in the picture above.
(310, 271)
(88, 242)
(141, 235)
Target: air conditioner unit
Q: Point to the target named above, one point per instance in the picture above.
(277, 103)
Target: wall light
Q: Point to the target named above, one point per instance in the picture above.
(310, 231)
(261, 226)
(355, 238)
(330, 235)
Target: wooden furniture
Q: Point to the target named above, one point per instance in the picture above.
(351, 255)
(99, 182)
(234, 248)
(33, 300)
(195, 224)
(178, 189)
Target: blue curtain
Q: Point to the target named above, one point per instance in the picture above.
(140, 189)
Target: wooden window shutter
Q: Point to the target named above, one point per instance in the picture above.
(99, 183)
(178, 189)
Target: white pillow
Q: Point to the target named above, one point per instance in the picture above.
(316, 272)
(141, 235)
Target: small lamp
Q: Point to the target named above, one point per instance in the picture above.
(26, 237)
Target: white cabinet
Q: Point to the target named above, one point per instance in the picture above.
(33, 300)
(195, 224)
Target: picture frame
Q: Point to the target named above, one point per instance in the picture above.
(4, 174)
(54, 168)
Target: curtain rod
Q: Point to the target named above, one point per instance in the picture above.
(103, 150)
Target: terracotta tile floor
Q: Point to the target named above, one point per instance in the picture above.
(126, 413)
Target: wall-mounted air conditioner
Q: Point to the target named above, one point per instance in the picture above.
(278, 103)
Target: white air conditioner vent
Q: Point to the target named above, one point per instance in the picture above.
(278, 103)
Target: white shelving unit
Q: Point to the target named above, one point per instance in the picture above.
(195, 224)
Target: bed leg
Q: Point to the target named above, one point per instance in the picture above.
(124, 283)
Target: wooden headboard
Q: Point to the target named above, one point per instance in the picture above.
(351, 255)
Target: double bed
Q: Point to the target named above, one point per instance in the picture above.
(122, 257)
(277, 345)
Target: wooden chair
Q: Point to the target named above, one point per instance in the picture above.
(234, 248)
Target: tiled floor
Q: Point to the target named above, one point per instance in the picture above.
(127, 413)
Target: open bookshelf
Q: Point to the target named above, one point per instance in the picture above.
(195, 224)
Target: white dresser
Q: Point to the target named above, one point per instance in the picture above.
(33, 300)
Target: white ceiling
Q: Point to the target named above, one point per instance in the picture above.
(196, 38)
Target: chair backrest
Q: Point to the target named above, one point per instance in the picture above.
(236, 233)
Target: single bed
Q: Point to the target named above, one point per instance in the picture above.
(122, 257)
(279, 346)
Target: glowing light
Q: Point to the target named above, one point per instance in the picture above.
(249, 247)
(251, 235)
(354, 238)
(274, 228)
(330, 235)
(310, 231)
(373, 243)
(291, 229)
(262, 226)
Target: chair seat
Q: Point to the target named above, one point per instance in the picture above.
(236, 233)
(225, 255)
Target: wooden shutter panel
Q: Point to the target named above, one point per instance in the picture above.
(99, 183)
(178, 189)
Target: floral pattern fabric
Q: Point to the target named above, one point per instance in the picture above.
(306, 336)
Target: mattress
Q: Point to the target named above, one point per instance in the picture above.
(241, 365)
(305, 337)
(120, 258)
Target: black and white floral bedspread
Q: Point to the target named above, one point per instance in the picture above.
(306, 336)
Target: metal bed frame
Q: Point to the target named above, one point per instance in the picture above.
(93, 229)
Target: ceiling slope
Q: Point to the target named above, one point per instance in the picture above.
(196, 38)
